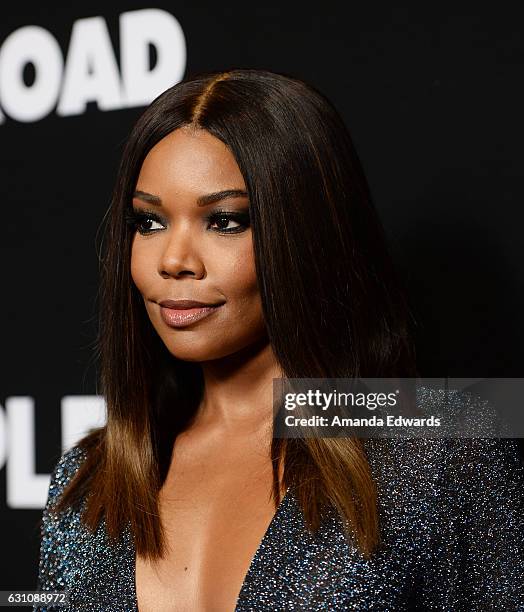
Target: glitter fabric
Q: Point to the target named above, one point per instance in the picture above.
(452, 524)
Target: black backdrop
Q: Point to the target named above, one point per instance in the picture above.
(433, 100)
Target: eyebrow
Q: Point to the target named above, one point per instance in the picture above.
(204, 200)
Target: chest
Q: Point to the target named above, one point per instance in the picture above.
(290, 570)
(213, 527)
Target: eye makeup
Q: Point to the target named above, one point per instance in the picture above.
(139, 218)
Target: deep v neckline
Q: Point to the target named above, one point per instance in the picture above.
(252, 565)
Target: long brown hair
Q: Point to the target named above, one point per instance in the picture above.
(331, 298)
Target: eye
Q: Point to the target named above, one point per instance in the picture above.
(218, 221)
(222, 219)
(140, 221)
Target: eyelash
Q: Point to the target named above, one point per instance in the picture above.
(135, 218)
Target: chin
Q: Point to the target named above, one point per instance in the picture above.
(207, 348)
(191, 350)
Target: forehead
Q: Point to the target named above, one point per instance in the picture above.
(189, 160)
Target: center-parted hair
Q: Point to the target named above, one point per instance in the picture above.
(331, 298)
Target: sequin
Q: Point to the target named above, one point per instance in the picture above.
(452, 522)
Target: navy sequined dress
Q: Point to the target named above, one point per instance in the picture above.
(452, 523)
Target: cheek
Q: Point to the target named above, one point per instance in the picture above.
(246, 320)
(240, 283)
(140, 269)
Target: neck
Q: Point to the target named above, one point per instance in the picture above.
(238, 392)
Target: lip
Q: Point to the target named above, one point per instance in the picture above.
(185, 304)
(180, 313)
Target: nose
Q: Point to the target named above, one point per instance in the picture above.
(179, 256)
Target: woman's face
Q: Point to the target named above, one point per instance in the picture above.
(195, 243)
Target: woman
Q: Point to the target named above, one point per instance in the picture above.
(241, 191)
